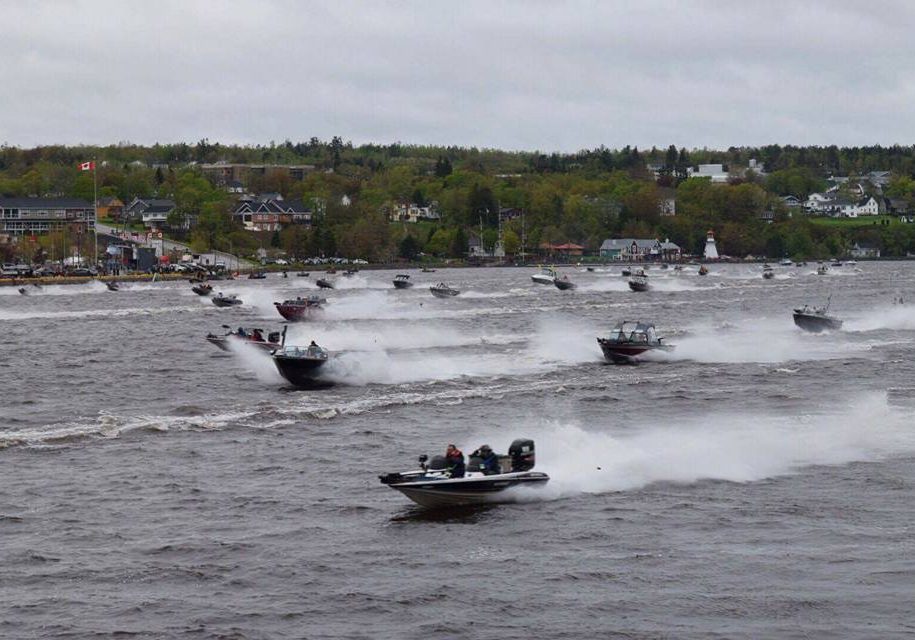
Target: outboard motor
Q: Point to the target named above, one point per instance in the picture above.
(521, 453)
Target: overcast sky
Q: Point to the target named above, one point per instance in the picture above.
(553, 76)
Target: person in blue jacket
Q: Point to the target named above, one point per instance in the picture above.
(455, 461)
(489, 461)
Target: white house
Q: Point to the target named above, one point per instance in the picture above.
(404, 212)
(715, 172)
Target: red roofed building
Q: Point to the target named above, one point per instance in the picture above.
(567, 249)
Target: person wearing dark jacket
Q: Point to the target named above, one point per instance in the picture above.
(489, 461)
(454, 458)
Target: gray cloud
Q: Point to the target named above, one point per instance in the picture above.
(514, 75)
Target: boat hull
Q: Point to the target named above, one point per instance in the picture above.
(469, 490)
(627, 353)
(226, 302)
(542, 279)
(564, 285)
(324, 284)
(443, 293)
(300, 372)
(638, 286)
(816, 323)
(296, 312)
(402, 284)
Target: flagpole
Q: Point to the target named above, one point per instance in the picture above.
(95, 209)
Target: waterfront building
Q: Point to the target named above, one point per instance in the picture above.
(38, 216)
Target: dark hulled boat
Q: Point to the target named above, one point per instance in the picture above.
(112, 285)
(297, 309)
(639, 281)
(402, 281)
(563, 283)
(816, 320)
(768, 273)
(257, 275)
(442, 290)
(202, 289)
(324, 283)
(629, 340)
(433, 486)
(300, 365)
(221, 300)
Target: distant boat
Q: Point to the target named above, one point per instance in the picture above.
(402, 281)
(303, 274)
(203, 289)
(226, 301)
(768, 273)
(112, 285)
(626, 272)
(427, 270)
(297, 309)
(816, 319)
(629, 339)
(822, 270)
(546, 276)
(257, 275)
(703, 270)
(254, 337)
(786, 262)
(442, 290)
(324, 283)
(563, 283)
(639, 281)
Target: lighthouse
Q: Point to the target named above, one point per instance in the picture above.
(711, 251)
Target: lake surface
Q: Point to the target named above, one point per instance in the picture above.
(755, 482)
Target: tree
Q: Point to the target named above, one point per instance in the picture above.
(408, 248)
(459, 244)
(511, 242)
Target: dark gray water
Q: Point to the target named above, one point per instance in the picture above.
(756, 483)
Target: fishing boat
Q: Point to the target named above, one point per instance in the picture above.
(202, 289)
(324, 283)
(703, 270)
(300, 365)
(626, 272)
(786, 262)
(631, 339)
(303, 274)
(563, 283)
(432, 485)
(546, 276)
(112, 285)
(768, 273)
(442, 290)
(221, 300)
(816, 319)
(402, 281)
(822, 270)
(243, 335)
(298, 309)
(427, 270)
(257, 275)
(639, 281)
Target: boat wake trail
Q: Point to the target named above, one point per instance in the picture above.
(899, 317)
(735, 448)
(764, 342)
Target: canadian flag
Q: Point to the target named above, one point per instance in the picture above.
(86, 166)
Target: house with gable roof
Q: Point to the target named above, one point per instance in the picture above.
(271, 212)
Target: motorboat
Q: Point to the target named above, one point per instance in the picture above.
(402, 281)
(203, 289)
(626, 272)
(350, 272)
(254, 337)
(324, 283)
(836, 263)
(822, 270)
(257, 275)
(112, 285)
(563, 283)
(768, 273)
(427, 270)
(433, 486)
(639, 281)
(300, 308)
(303, 274)
(703, 270)
(546, 276)
(786, 262)
(631, 339)
(23, 291)
(221, 300)
(442, 290)
(300, 365)
(816, 319)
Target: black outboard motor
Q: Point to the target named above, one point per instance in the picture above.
(521, 453)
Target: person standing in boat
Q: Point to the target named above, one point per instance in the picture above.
(454, 459)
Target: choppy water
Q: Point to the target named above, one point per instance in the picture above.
(756, 483)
